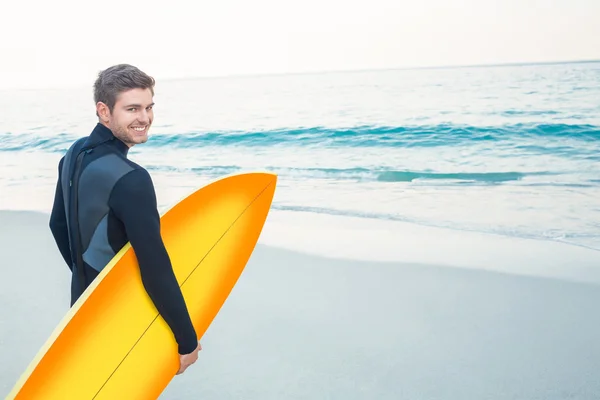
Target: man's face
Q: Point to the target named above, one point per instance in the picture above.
(131, 117)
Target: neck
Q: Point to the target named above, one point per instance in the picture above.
(103, 123)
(103, 134)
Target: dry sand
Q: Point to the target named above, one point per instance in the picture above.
(299, 326)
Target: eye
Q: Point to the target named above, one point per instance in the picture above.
(131, 109)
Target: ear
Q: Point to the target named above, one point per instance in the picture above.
(103, 112)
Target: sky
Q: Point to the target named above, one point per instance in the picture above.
(66, 42)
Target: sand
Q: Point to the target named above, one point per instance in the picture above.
(300, 326)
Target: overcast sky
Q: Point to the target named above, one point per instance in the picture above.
(53, 43)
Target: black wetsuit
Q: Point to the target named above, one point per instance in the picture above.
(116, 203)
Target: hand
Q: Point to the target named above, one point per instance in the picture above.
(186, 360)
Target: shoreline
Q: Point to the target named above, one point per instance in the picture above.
(360, 239)
(365, 240)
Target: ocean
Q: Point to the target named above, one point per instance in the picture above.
(507, 150)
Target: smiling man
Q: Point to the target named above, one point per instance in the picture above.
(104, 200)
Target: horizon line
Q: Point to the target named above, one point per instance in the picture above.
(325, 71)
(405, 68)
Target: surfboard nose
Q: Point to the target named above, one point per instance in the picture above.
(250, 179)
(240, 187)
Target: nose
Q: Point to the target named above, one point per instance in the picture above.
(143, 116)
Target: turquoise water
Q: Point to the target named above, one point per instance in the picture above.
(510, 150)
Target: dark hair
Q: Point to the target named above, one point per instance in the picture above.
(117, 79)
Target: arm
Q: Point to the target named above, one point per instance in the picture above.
(58, 221)
(133, 201)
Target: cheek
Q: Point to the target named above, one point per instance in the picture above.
(114, 119)
(124, 120)
(120, 122)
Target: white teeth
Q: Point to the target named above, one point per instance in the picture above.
(139, 129)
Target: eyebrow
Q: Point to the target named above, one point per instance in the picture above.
(137, 105)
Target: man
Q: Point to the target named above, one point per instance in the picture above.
(103, 200)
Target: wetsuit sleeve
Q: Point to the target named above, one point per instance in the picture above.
(58, 221)
(133, 201)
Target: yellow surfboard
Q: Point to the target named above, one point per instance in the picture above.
(113, 344)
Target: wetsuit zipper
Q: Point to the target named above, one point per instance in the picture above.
(78, 247)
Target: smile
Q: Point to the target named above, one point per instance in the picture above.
(139, 129)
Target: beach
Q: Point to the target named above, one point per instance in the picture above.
(305, 326)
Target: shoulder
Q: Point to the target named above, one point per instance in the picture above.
(73, 148)
(76, 145)
(137, 180)
(137, 172)
(133, 192)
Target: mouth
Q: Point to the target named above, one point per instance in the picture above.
(140, 129)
